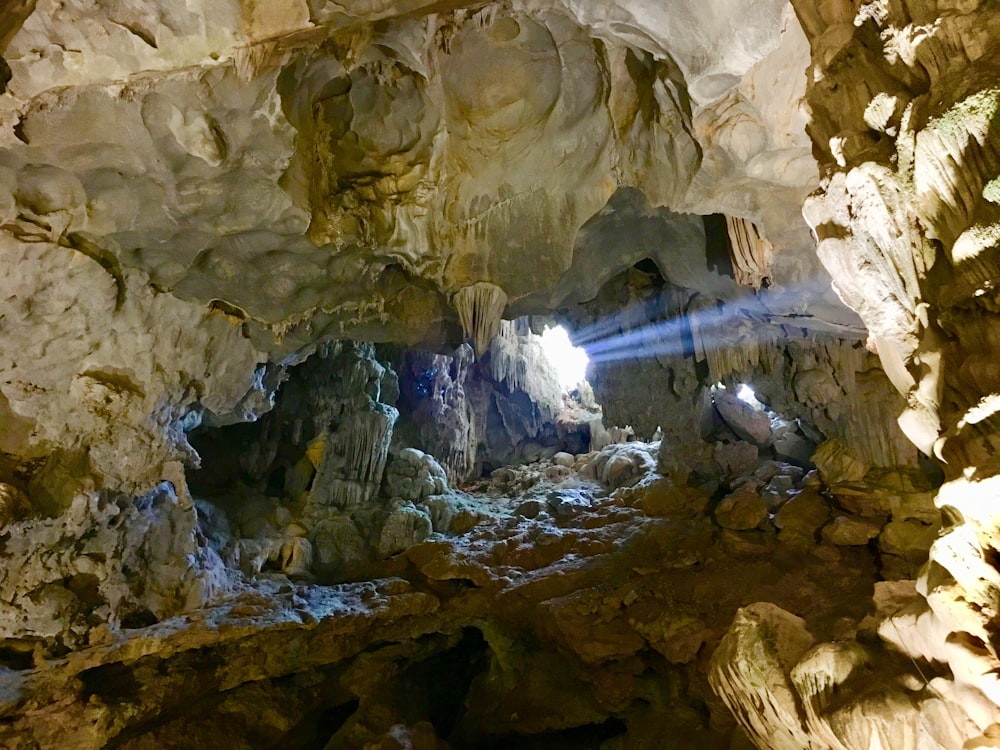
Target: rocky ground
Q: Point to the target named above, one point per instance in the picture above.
(579, 607)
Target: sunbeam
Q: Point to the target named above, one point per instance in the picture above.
(715, 327)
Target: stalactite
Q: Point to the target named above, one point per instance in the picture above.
(729, 346)
(752, 253)
(479, 307)
(507, 362)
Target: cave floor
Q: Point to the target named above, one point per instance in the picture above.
(571, 614)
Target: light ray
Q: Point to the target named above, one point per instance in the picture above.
(611, 338)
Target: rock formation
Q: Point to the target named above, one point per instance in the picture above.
(283, 465)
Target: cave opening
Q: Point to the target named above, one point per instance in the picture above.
(569, 361)
(439, 685)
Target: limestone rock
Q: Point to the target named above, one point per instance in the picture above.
(564, 459)
(797, 449)
(749, 424)
(405, 526)
(566, 503)
(848, 531)
(453, 513)
(14, 504)
(910, 540)
(736, 459)
(778, 491)
(801, 517)
(863, 499)
(750, 672)
(337, 541)
(414, 475)
(661, 497)
(620, 465)
(197, 197)
(120, 559)
(836, 464)
(741, 510)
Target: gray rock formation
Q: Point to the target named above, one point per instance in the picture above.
(287, 243)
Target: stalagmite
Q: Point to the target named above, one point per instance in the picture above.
(479, 307)
(368, 444)
(354, 459)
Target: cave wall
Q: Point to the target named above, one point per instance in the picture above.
(658, 348)
(192, 198)
(903, 111)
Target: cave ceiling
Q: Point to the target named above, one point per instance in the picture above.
(196, 196)
(324, 169)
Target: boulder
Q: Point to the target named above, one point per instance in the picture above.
(794, 448)
(910, 540)
(748, 423)
(337, 541)
(663, 498)
(750, 671)
(557, 473)
(837, 464)
(414, 475)
(850, 531)
(777, 491)
(742, 509)
(736, 459)
(801, 516)
(567, 503)
(564, 459)
(863, 500)
(405, 526)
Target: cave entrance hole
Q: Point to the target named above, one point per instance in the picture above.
(569, 362)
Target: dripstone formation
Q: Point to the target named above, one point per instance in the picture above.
(283, 462)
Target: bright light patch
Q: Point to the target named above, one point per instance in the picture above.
(746, 394)
(569, 361)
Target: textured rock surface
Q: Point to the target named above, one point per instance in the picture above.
(556, 629)
(194, 199)
(903, 114)
(506, 407)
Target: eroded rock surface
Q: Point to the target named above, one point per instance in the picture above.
(195, 199)
(599, 619)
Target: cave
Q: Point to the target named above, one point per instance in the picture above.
(286, 461)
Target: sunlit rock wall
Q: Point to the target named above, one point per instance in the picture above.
(904, 102)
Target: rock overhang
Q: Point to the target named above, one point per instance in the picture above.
(340, 170)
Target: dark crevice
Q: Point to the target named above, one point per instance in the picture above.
(140, 618)
(17, 659)
(717, 251)
(314, 730)
(114, 683)
(442, 681)
(586, 737)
